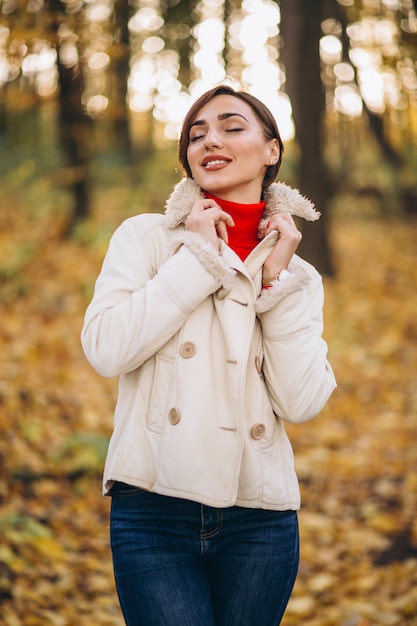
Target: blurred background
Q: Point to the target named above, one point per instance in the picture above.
(92, 94)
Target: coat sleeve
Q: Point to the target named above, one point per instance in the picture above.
(297, 373)
(139, 303)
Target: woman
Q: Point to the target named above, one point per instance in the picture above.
(214, 326)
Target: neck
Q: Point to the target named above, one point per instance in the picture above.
(243, 235)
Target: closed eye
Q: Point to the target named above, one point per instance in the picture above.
(234, 129)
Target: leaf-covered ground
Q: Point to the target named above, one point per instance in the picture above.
(356, 461)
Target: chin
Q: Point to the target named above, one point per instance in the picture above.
(214, 187)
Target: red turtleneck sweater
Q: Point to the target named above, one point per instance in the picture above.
(243, 236)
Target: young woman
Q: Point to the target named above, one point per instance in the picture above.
(214, 326)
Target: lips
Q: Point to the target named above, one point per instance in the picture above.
(215, 162)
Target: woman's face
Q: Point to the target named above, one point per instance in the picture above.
(227, 150)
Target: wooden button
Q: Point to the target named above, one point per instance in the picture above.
(174, 416)
(187, 350)
(257, 431)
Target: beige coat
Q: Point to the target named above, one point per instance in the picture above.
(210, 364)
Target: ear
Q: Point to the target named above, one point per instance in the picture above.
(273, 152)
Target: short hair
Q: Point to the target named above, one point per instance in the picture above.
(261, 111)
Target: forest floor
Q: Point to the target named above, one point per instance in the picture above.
(357, 461)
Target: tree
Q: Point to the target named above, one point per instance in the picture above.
(300, 29)
(70, 25)
(74, 125)
(120, 75)
(178, 22)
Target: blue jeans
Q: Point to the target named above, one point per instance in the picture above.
(180, 563)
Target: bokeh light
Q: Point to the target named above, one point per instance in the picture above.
(238, 44)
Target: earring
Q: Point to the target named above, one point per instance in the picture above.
(271, 162)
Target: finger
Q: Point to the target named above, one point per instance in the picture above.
(282, 222)
(202, 204)
(287, 219)
(221, 226)
(284, 216)
(221, 230)
(226, 217)
(221, 216)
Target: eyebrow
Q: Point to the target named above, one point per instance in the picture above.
(221, 117)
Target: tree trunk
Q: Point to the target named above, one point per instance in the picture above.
(74, 126)
(179, 20)
(120, 74)
(300, 30)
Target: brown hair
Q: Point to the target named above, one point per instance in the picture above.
(261, 111)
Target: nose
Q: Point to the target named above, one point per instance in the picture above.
(212, 138)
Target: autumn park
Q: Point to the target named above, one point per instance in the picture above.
(91, 96)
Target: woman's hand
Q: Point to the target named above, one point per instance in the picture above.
(208, 219)
(289, 238)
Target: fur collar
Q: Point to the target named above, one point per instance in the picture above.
(280, 198)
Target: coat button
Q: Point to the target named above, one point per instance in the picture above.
(257, 431)
(174, 416)
(187, 350)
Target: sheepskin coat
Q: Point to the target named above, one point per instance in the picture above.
(210, 364)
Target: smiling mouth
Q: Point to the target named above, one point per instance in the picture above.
(213, 163)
